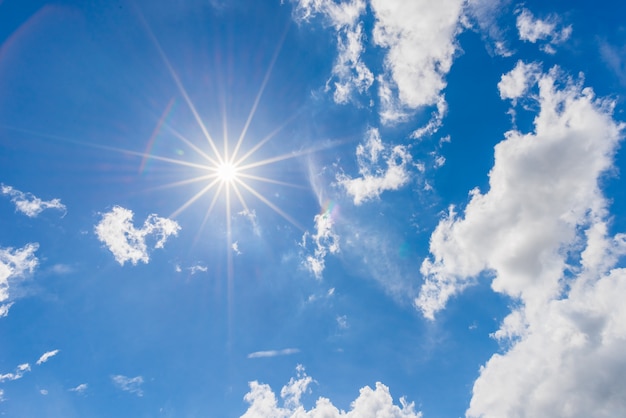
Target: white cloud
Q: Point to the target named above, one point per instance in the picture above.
(29, 204)
(342, 321)
(420, 38)
(374, 179)
(541, 234)
(325, 240)
(250, 215)
(19, 373)
(273, 353)
(43, 392)
(198, 268)
(15, 264)
(128, 384)
(46, 356)
(235, 247)
(80, 388)
(128, 243)
(1, 395)
(486, 14)
(370, 402)
(533, 30)
(516, 82)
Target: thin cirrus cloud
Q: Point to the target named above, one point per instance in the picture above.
(370, 402)
(128, 384)
(15, 264)
(46, 356)
(541, 212)
(29, 204)
(128, 243)
(273, 353)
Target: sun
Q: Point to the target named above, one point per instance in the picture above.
(227, 172)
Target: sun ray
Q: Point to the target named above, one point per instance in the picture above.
(266, 78)
(190, 144)
(268, 180)
(180, 86)
(240, 197)
(271, 205)
(194, 198)
(183, 182)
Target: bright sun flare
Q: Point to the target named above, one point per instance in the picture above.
(227, 172)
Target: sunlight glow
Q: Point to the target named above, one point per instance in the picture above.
(226, 172)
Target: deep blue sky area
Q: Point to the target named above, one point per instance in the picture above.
(329, 208)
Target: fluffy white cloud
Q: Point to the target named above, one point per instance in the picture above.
(420, 38)
(533, 30)
(128, 243)
(14, 264)
(516, 82)
(374, 179)
(273, 353)
(46, 356)
(325, 240)
(541, 233)
(29, 204)
(370, 402)
(128, 384)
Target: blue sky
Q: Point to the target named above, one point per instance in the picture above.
(312, 208)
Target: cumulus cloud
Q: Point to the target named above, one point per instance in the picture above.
(325, 241)
(128, 243)
(549, 32)
(420, 39)
(374, 179)
(541, 235)
(515, 83)
(14, 264)
(29, 204)
(370, 402)
(273, 353)
(46, 356)
(128, 384)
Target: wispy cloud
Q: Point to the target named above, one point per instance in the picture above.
(370, 402)
(273, 353)
(46, 356)
(128, 243)
(14, 263)
(29, 204)
(18, 374)
(80, 388)
(325, 241)
(128, 384)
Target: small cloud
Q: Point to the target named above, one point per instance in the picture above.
(128, 243)
(128, 384)
(198, 269)
(548, 30)
(80, 388)
(62, 269)
(14, 264)
(250, 215)
(235, 247)
(29, 204)
(373, 178)
(325, 240)
(43, 392)
(342, 322)
(177, 268)
(273, 353)
(46, 356)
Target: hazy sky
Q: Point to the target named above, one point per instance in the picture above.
(313, 208)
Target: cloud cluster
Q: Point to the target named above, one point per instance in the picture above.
(29, 204)
(541, 234)
(548, 32)
(370, 402)
(419, 40)
(14, 264)
(375, 178)
(128, 384)
(128, 243)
